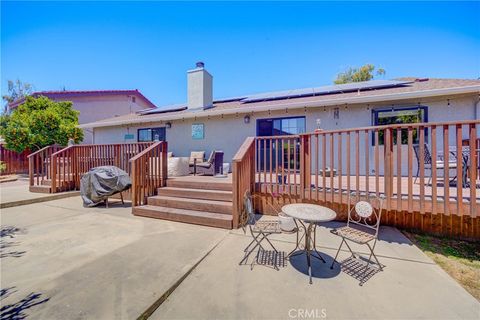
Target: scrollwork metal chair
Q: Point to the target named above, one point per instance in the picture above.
(362, 227)
(260, 230)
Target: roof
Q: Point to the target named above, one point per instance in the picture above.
(415, 88)
(85, 93)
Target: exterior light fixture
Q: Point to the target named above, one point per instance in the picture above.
(168, 125)
(246, 119)
(319, 123)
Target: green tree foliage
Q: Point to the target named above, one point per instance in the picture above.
(364, 73)
(40, 122)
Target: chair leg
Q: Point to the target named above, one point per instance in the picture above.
(268, 240)
(416, 175)
(374, 255)
(349, 248)
(335, 259)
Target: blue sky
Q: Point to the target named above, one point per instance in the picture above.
(248, 47)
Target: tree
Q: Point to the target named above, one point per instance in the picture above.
(40, 122)
(364, 73)
(17, 90)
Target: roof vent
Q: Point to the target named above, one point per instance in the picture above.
(200, 64)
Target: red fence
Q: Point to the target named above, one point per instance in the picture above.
(15, 162)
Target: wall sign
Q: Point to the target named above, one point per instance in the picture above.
(129, 136)
(198, 131)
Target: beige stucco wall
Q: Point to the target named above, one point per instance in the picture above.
(96, 108)
(229, 132)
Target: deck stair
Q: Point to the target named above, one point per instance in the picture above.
(196, 200)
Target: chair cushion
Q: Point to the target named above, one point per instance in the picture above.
(199, 155)
(170, 154)
(204, 164)
(353, 234)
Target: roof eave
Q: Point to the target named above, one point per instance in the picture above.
(294, 105)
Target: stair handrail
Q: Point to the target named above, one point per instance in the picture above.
(68, 151)
(148, 175)
(243, 176)
(45, 152)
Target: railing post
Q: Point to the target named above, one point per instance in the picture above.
(164, 163)
(388, 166)
(305, 165)
(30, 170)
(134, 184)
(236, 195)
(53, 170)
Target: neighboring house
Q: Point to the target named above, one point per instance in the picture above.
(97, 104)
(223, 124)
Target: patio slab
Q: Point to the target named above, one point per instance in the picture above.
(63, 261)
(16, 193)
(411, 286)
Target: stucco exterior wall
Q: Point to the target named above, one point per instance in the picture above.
(96, 108)
(229, 132)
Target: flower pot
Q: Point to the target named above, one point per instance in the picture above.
(286, 223)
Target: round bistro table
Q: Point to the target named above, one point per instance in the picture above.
(306, 216)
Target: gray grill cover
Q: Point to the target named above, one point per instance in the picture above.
(101, 182)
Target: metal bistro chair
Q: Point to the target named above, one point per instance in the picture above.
(440, 164)
(260, 230)
(362, 228)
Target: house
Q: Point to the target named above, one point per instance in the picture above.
(96, 105)
(204, 123)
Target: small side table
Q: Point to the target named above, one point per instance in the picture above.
(307, 216)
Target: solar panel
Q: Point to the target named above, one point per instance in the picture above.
(229, 99)
(330, 89)
(164, 109)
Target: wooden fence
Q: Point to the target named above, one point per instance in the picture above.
(15, 162)
(426, 171)
(148, 172)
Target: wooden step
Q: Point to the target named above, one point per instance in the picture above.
(225, 207)
(40, 189)
(211, 219)
(204, 194)
(200, 184)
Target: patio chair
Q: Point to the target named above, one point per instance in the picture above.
(440, 164)
(260, 230)
(362, 228)
(212, 166)
(195, 157)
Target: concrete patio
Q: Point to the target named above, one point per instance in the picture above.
(63, 261)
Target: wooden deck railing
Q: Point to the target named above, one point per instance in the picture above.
(149, 172)
(39, 165)
(326, 166)
(243, 176)
(69, 164)
(15, 162)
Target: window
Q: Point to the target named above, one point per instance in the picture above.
(134, 99)
(413, 114)
(149, 134)
(280, 126)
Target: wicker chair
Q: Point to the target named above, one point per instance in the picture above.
(260, 230)
(212, 166)
(362, 227)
